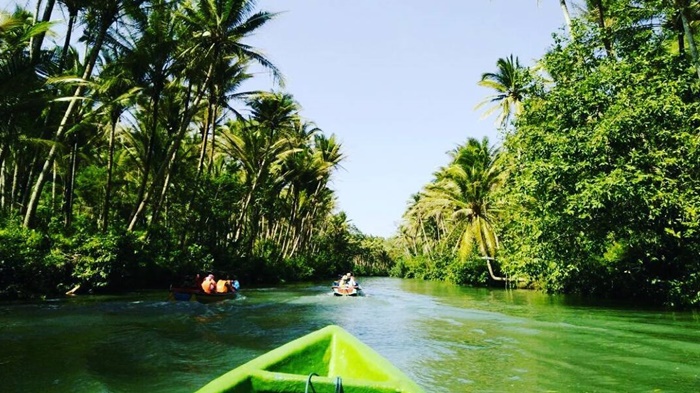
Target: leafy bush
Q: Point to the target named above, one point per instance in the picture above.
(23, 270)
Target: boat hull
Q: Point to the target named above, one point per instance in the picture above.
(353, 291)
(327, 356)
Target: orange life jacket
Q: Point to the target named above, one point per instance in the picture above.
(208, 285)
(222, 286)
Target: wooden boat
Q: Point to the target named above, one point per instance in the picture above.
(327, 360)
(346, 291)
(189, 294)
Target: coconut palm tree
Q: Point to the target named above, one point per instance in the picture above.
(511, 83)
(260, 143)
(462, 195)
(685, 9)
(565, 11)
(23, 95)
(674, 21)
(115, 92)
(148, 55)
(100, 17)
(217, 30)
(600, 13)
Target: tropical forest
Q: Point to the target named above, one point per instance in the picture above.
(131, 155)
(594, 189)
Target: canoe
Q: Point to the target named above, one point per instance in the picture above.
(327, 360)
(346, 291)
(188, 294)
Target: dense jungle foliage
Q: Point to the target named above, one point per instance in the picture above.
(130, 156)
(594, 189)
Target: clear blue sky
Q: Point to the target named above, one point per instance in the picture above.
(396, 82)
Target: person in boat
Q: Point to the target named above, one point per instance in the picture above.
(236, 285)
(198, 279)
(224, 286)
(209, 284)
(351, 280)
(343, 282)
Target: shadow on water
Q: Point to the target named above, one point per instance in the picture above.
(448, 338)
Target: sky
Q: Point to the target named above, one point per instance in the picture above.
(396, 82)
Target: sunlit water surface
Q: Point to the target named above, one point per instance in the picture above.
(447, 338)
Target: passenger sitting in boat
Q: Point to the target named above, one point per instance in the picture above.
(236, 285)
(351, 280)
(223, 286)
(209, 284)
(343, 282)
(198, 279)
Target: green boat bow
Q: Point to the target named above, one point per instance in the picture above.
(318, 362)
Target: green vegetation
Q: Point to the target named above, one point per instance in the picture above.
(599, 192)
(136, 158)
(130, 156)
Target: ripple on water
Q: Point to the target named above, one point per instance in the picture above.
(448, 338)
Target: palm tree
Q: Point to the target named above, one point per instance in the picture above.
(462, 195)
(23, 95)
(37, 40)
(511, 83)
(595, 11)
(674, 21)
(115, 92)
(217, 30)
(565, 11)
(326, 156)
(74, 7)
(260, 143)
(149, 56)
(100, 16)
(684, 8)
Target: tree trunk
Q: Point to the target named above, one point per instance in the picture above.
(15, 183)
(689, 34)
(110, 165)
(23, 196)
(213, 137)
(63, 125)
(70, 185)
(246, 203)
(205, 136)
(2, 186)
(603, 28)
(53, 188)
(66, 44)
(567, 16)
(166, 167)
(149, 155)
(36, 42)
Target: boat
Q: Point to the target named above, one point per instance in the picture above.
(326, 360)
(346, 291)
(189, 294)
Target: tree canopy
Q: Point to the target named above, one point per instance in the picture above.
(130, 155)
(600, 193)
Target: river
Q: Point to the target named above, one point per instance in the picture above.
(447, 338)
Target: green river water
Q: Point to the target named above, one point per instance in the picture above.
(447, 338)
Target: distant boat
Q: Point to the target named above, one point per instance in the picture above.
(189, 294)
(346, 291)
(327, 360)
